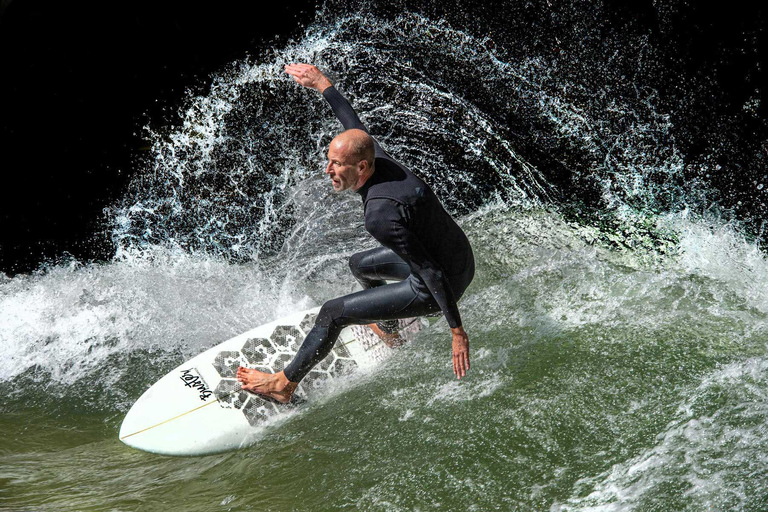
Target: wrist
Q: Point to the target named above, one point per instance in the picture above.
(323, 84)
(458, 330)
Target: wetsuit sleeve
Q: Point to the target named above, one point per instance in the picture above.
(387, 222)
(348, 117)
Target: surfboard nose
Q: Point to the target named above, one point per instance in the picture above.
(193, 431)
(201, 408)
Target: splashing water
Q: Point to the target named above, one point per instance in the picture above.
(617, 365)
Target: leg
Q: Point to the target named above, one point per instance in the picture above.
(372, 267)
(398, 300)
(389, 302)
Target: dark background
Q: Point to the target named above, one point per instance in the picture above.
(80, 79)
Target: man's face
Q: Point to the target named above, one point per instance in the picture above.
(342, 168)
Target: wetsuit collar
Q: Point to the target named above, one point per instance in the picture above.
(372, 180)
(363, 191)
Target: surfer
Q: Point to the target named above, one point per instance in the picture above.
(422, 248)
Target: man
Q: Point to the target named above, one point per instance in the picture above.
(422, 248)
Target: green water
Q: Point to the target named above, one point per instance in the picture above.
(594, 383)
(618, 363)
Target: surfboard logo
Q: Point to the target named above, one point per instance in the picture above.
(192, 379)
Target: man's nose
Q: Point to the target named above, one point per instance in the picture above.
(328, 168)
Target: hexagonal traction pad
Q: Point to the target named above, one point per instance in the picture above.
(307, 323)
(258, 409)
(230, 394)
(258, 350)
(227, 362)
(286, 338)
(272, 355)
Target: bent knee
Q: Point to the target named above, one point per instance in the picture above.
(354, 264)
(330, 313)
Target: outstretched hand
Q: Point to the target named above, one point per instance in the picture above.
(460, 352)
(308, 76)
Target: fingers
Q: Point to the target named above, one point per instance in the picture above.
(293, 69)
(460, 352)
(308, 75)
(299, 70)
(294, 72)
(303, 74)
(298, 66)
(460, 364)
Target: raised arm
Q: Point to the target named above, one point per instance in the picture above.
(311, 77)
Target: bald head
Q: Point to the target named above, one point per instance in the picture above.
(356, 145)
(350, 159)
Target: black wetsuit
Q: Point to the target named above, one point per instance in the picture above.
(422, 247)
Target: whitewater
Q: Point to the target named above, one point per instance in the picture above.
(617, 320)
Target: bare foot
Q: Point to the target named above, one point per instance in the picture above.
(390, 339)
(273, 385)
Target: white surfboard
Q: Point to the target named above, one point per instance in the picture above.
(199, 407)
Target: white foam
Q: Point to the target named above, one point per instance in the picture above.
(718, 250)
(67, 321)
(716, 442)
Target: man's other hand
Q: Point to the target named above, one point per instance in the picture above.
(460, 352)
